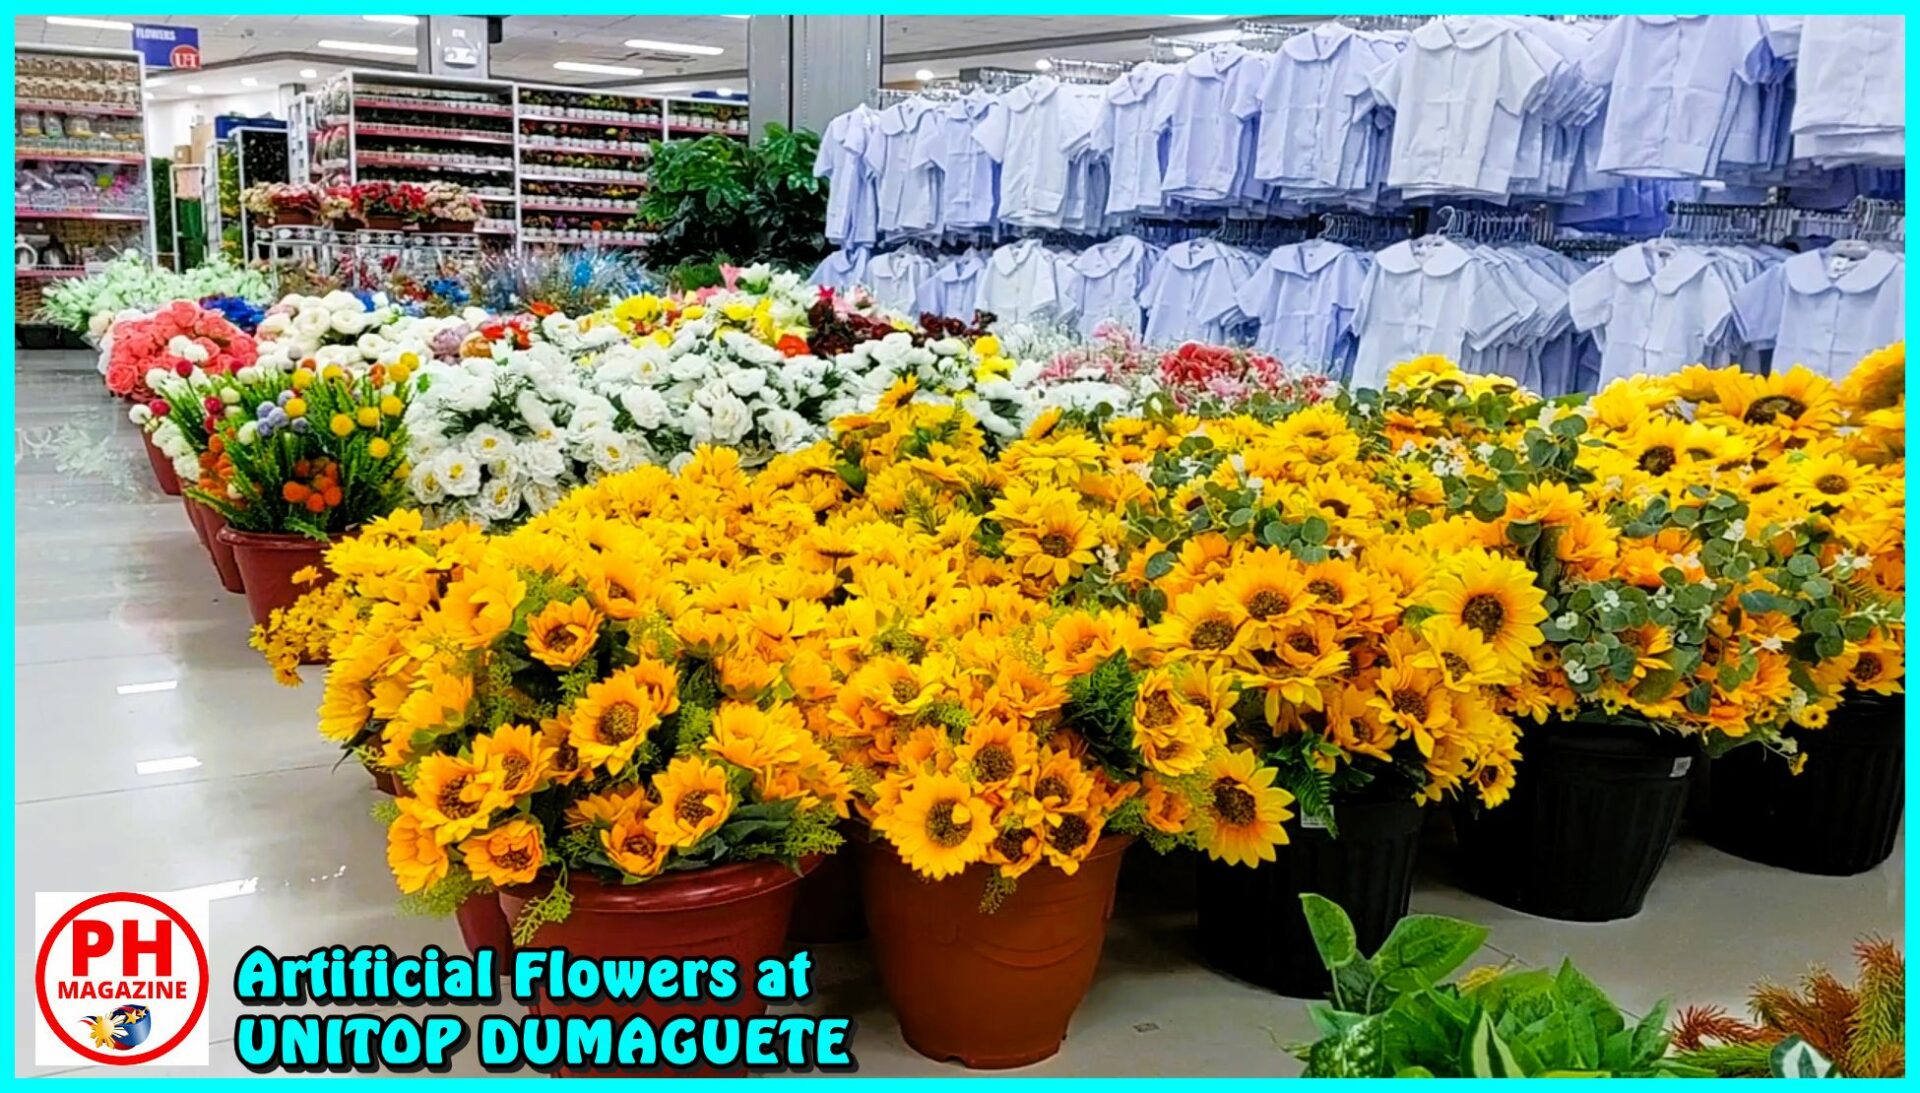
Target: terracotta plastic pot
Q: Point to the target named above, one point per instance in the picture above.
(738, 911)
(267, 565)
(1591, 819)
(386, 223)
(448, 227)
(163, 472)
(1839, 816)
(988, 990)
(292, 216)
(385, 782)
(483, 925)
(1251, 923)
(222, 551)
(199, 525)
(827, 908)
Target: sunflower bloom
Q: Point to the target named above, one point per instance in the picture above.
(939, 826)
(509, 854)
(560, 634)
(417, 859)
(1242, 815)
(694, 800)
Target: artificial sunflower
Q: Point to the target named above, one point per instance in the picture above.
(633, 847)
(454, 797)
(515, 755)
(509, 854)
(562, 633)
(997, 752)
(611, 721)
(694, 801)
(1015, 848)
(1202, 624)
(939, 825)
(1069, 837)
(1058, 542)
(417, 859)
(1496, 598)
(1241, 814)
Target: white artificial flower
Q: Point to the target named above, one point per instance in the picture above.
(728, 419)
(645, 406)
(499, 500)
(459, 471)
(542, 462)
(349, 323)
(610, 452)
(140, 414)
(786, 430)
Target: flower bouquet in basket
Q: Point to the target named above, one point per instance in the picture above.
(283, 202)
(388, 205)
(448, 206)
(315, 453)
(1361, 650)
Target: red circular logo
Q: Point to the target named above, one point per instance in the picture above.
(111, 933)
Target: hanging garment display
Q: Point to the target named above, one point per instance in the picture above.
(1850, 102)
(1816, 308)
(1303, 297)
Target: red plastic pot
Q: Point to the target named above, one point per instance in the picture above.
(222, 551)
(988, 990)
(267, 564)
(199, 526)
(483, 925)
(385, 782)
(738, 911)
(163, 472)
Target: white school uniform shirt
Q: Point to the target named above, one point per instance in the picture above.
(908, 194)
(1314, 93)
(1107, 281)
(1027, 133)
(969, 177)
(1850, 94)
(841, 270)
(1674, 82)
(952, 287)
(1022, 282)
(1303, 296)
(895, 278)
(1823, 314)
(1651, 316)
(1189, 296)
(1209, 118)
(852, 191)
(1458, 92)
(1426, 296)
(1130, 130)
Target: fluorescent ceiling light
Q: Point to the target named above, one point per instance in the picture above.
(166, 766)
(339, 46)
(600, 70)
(156, 685)
(309, 73)
(1043, 65)
(1203, 17)
(923, 75)
(196, 89)
(249, 81)
(94, 24)
(403, 20)
(674, 47)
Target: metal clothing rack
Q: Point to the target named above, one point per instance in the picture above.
(1703, 222)
(1363, 231)
(1486, 226)
(1075, 70)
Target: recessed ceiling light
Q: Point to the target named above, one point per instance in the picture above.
(249, 81)
(166, 766)
(403, 20)
(601, 70)
(1043, 65)
(674, 47)
(94, 24)
(923, 74)
(339, 46)
(196, 89)
(309, 73)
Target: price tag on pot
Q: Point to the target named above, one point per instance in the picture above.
(1681, 766)
(1313, 823)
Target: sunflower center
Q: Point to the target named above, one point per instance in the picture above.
(693, 808)
(452, 804)
(619, 723)
(1763, 411)
(1302, 642)
(1055, 545)
(1658, 460)
(514, 860)
(1326, 591)
(904, 690)
(1485, 613)
(1867, 668)
(639, 844)
(1213, 634)
(1232, 803)
(559, 638)
(1012, 843)
(941, 827)
(1266, 603)
(516, 767)
(1070, 834)
(1157, 710)
(994, 762)
(566, 757)
(1411, 703)
(1338, 508)
(1456, 664)
(1080, 645)
(1830, 484)
(1051, 785)
(1488, 776)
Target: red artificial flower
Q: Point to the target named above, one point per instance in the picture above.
(542, 308)
(792, 345)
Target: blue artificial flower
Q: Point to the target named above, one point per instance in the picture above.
(282, 397)
(278, 418)
(302, 426)
(261, 411)
(266, 430)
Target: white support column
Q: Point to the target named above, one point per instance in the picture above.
(804, 70)
(452, 45)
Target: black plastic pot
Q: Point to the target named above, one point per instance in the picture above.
(1251, 925)
(1839, 816)
(1593, 813)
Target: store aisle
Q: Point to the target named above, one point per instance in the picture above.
(154, 752)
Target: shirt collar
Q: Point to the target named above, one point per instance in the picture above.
(1807, 273)
(1215, 63)
(1304, 259)
(1014, 255)
(963, 268)
(1463, 32)
(1139, 83)
(1032, 93)
(1098, 261)
(902, 116)
(1680, 271)
(1193, 253)
(1318, 44)
(1444, 259)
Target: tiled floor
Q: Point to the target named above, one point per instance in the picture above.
(114, 590)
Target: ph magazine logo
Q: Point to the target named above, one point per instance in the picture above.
(121, 979)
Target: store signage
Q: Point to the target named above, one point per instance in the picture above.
(167, 47)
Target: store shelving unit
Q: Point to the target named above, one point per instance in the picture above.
(263, 158)
(691, 119)
(583, 158)
(406, 127)
(83, 189)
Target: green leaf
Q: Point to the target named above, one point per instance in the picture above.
(1359, 1052)
(1315, 530)
(1160, 565)
(1332, 930)
(1487, 1055)
(1803, 565)
(1590, 1000)
(1650, 1037)
(1423, 949)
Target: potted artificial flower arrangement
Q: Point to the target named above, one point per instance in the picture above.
(622, 759)
(310, 454)
(1012, 721)
(1665, 636)
(1828, 797)
(388, 206)
(1362, 644)
(283, 202)
(449, 207)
